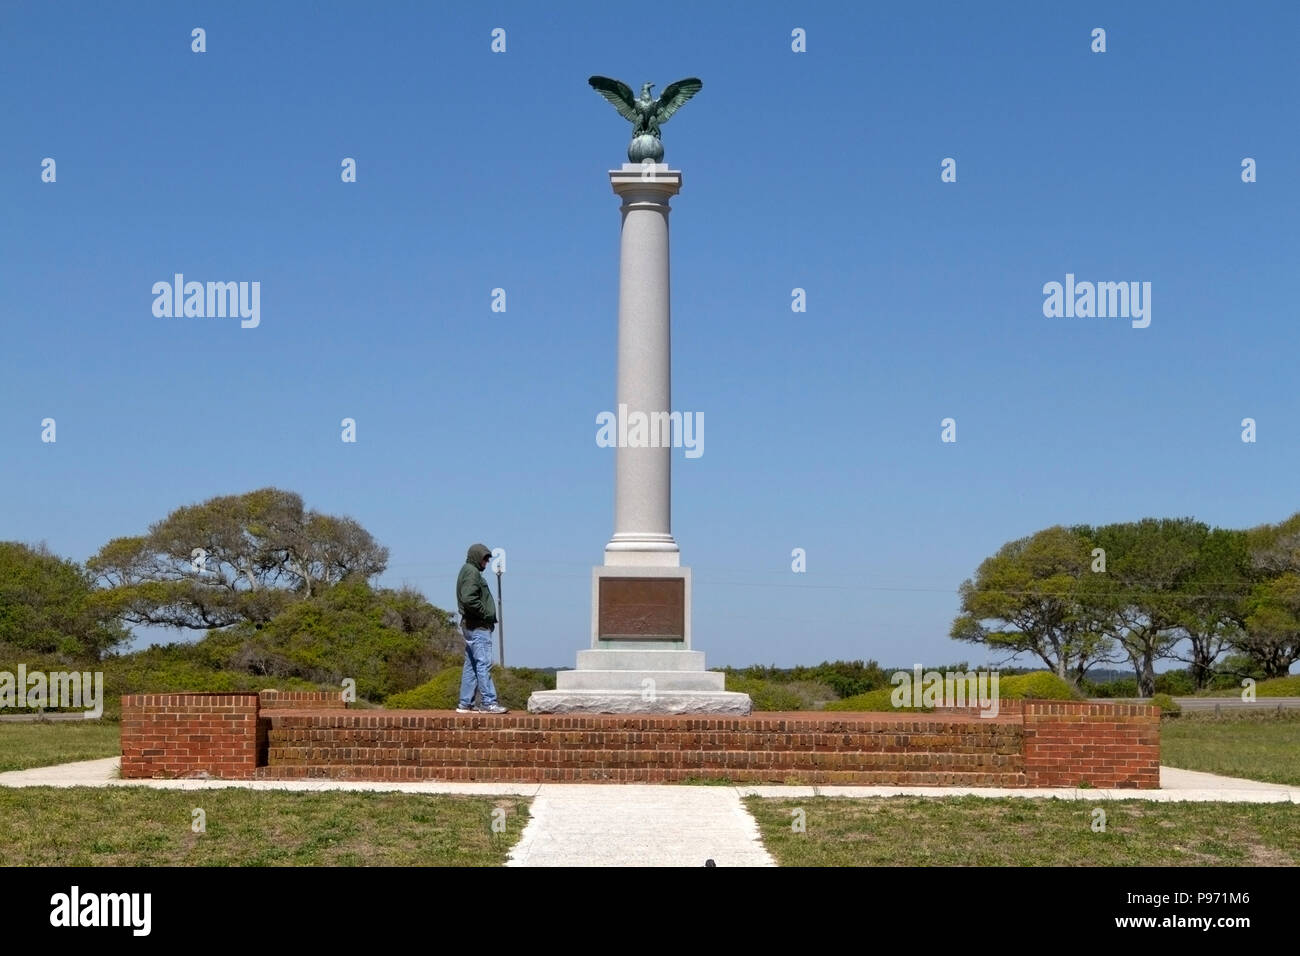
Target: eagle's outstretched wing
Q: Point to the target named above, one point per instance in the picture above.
(617, 93)
(674, 96)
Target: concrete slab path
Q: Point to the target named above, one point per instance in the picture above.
(639, 825)
(1175, 784)
(578, 824)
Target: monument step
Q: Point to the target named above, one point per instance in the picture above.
(661, 681)
(595, 774)
(626, 758)
(537, 745)
(663, 702)
(617, 659)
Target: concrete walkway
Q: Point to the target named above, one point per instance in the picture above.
(1175, 785)
(639, 825)
(577, 824)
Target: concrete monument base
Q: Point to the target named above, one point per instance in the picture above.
(640, 660)
(639, 681)
(703, 702)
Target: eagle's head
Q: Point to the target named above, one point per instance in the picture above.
(645, 90)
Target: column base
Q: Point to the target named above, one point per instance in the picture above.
(643, 550)
(638, 680)
(634, 702)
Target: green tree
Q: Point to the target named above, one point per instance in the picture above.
(1215, 601)
(386, 640)
(1140, 601)
(47, 605)
(1271, 636)
(230, 560)
(1026, 600)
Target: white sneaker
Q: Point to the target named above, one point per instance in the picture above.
(495, 709)
(466, 710)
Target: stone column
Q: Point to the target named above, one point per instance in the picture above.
(641, 658)
(643, 476)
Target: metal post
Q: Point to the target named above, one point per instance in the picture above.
(501, 620)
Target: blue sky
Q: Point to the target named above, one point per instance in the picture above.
(818, 170)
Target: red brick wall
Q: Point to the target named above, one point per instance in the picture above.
(1035, 744)
(1068, 743)
(1006, 708)
(186, 735)
(310, 699)
(805, 748)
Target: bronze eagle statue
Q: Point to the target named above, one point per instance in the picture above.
(646, 113)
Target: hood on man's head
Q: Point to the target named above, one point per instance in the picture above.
(476, 554)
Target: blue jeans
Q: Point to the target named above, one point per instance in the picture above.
(478, 664)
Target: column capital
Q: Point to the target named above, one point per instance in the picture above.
(646, 182)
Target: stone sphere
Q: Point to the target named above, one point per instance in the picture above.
(645, 147)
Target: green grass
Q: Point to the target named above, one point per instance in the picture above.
(1015, 831)
(46, 743)
(1255, 746)
(138, 826)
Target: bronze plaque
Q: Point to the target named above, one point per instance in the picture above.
(641, 609)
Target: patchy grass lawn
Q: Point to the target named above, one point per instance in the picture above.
(139, 826)
(46, 743)
(1016, 831)
(1256, 746)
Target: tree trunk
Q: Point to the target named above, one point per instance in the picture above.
(1202, 667)
(1147, 677)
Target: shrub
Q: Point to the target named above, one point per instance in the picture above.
(766, 694)
(841, 678)
(1168, 706)
(164, 669)
(815, 695)
(387, 641)
(1178, 683)
(845, 678)
(1279, 687)
(1274, 687)
(441, 692)
(438, 693)
(1039, 685)
(873, 700)
(1126, 687)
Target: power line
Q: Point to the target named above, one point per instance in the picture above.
(1130, 594)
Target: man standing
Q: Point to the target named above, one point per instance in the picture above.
(478, 616)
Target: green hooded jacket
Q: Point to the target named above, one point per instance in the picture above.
(473, 596)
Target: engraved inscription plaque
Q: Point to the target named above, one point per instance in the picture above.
(642, 609)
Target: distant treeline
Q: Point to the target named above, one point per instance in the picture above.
(852, 678)
(1225, 602)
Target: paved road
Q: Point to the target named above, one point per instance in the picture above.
(1222, 704)
(33, 718)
